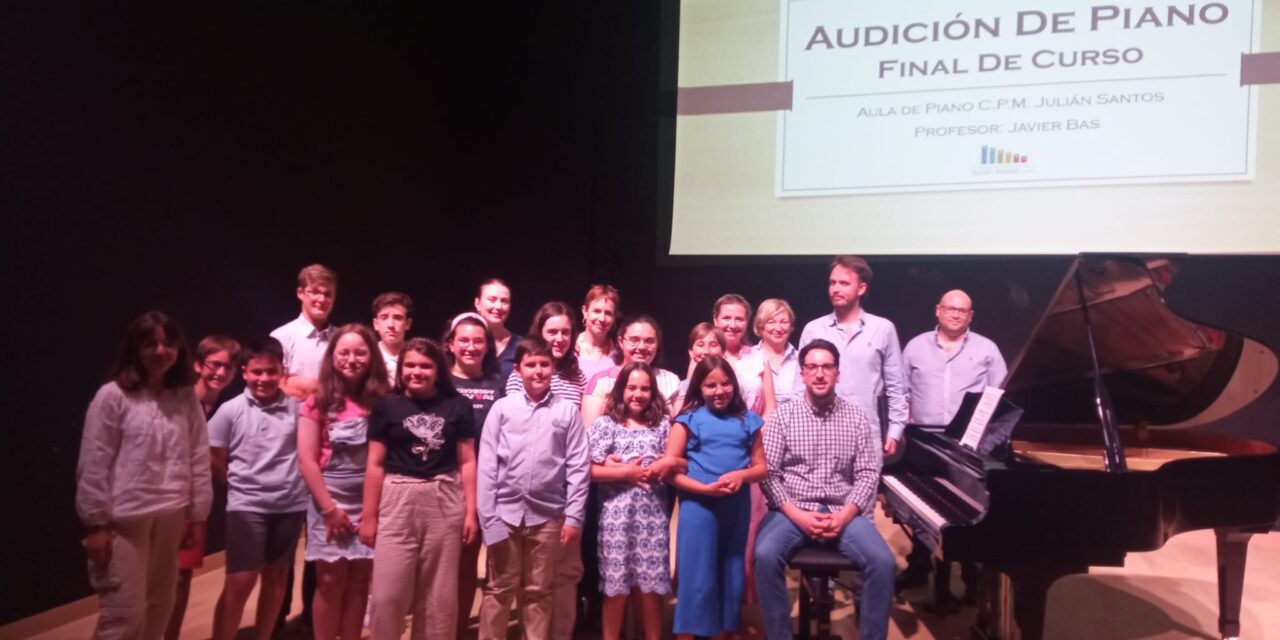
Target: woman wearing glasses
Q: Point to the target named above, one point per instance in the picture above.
(639, 340)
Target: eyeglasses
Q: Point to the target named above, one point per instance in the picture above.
(468, 342)
(811, 369)
(214, 365)
(318, 293)
(954, 311)
(777, 323)
(635, 341)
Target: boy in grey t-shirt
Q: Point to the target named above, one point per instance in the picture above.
(254, 438)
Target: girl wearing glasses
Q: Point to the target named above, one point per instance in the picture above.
(639, 340)
(473, 368)
(332, 453)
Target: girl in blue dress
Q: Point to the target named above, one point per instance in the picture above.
(721, 440)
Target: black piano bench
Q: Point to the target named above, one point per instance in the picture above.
(818, 564)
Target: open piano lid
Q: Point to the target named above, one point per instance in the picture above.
(1159, 367)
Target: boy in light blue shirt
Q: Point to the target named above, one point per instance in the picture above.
(253, 439)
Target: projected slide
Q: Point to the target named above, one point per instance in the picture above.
(820, 126)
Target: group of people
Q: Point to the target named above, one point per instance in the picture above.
(399, 457)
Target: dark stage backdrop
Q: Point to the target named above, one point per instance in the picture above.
(157, 157)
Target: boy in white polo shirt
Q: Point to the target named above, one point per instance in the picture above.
(254, 437)
(306, 337)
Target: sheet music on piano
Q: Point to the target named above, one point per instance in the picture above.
(981, 416)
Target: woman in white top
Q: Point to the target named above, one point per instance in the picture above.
(773, 325)
(595, 345)
(639, 340)
(143, 472)
(731, 314)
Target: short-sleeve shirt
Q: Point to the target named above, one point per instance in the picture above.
(643, 445)
(262, 454)
(482, 393)
(421, 434)
(304, 346)
(718, 444)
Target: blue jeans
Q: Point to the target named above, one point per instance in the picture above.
(778, 540)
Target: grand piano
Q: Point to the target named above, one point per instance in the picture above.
(1074, 469)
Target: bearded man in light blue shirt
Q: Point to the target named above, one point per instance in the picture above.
(870, 354)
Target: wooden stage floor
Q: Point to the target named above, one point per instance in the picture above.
(1170, 593)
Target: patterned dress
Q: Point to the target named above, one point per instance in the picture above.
(634, 544)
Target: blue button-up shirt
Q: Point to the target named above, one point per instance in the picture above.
(937, 382)
(870, 366)
(534, 465)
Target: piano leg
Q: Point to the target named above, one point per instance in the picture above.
(1233, 549)
(1011, 605)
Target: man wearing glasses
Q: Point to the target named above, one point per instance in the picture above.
(870, 354)
(824, 467)
(306, 337)
(941, 366)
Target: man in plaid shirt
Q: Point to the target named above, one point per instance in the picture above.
(824, 466)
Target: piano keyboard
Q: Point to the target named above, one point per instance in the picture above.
(934, 500)
(914, 502)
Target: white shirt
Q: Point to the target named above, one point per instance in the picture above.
(143, 454)
(304, 346)
(391, 361)
(749, 370)
(785, 375)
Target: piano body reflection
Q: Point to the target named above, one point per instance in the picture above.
(1083, 480)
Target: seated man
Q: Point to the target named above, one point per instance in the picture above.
(824, 467)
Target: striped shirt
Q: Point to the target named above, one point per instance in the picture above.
(821, 459)
(569, 390)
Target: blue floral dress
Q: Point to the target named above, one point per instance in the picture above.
(634, 543)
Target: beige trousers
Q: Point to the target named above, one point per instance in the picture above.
(524, 563)
(564, 605)
(415, 566)
(136, 589)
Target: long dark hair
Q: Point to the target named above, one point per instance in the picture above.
(693, 398)
(616, 406)
(567, 366)
(489, 363)
(435, 353)
(330, 394)
(128, 370)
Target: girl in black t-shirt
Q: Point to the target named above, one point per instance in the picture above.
(419, 495)
(471, 352)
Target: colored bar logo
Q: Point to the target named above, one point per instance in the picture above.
(992, 155)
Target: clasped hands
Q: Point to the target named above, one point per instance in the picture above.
(637, 475)
(821, 526)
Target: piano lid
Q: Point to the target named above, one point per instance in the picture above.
(1160, 368)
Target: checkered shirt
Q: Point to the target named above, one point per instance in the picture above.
(818, 459)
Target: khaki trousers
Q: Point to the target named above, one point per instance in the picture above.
(415, 567)
(564, 605)
(524, 563)
(136, 589)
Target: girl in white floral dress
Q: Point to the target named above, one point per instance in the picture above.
(627, 445)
